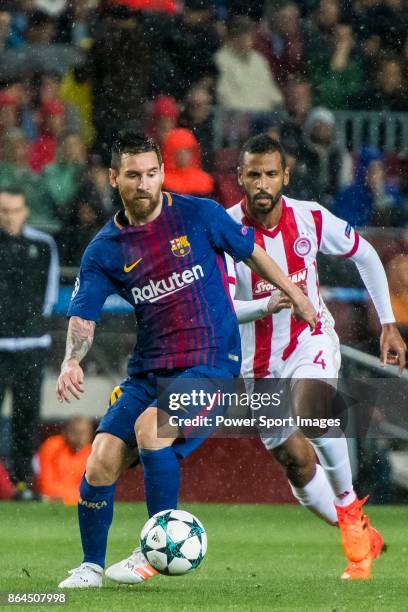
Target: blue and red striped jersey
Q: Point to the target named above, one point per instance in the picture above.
(172, 272)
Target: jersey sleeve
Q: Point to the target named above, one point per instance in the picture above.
(226, 234)
(335, 236)
(92, 287)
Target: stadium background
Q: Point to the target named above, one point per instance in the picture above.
(334, 90)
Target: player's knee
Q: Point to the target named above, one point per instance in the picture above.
(104, 463)
(297, 461)
(148, 436)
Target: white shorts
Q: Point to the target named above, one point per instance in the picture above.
(316, 357)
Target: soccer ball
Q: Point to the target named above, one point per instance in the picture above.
(174, 542)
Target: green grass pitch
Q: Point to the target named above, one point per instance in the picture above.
(259, 558)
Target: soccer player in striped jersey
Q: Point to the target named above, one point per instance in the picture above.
(164, 254)
(276, 345)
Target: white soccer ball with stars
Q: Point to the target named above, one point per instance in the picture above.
(174, 542)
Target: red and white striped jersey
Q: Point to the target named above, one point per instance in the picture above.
(304, 229)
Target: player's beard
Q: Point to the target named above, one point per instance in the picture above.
(141, 206)
(265, 210)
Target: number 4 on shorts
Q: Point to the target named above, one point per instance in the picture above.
(318, 360)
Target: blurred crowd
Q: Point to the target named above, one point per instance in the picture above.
(200, 76)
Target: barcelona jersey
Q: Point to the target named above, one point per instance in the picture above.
(172, 272)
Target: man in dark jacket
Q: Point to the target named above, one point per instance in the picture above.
(29, 278)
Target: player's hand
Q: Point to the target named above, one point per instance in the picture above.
(70, 381)
(392, 346)
(304, 309)
(278, 302)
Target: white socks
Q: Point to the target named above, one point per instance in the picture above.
(334, 458)
(317, 496)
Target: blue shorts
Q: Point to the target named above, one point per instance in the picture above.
(136, 393)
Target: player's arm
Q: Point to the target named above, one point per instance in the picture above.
(392, 346)
(267, 269)
(338, 238)
(252, 310)
(79, 340)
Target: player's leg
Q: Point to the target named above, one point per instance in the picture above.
(307, 479)
(361, 543)
(161, 465)
(26, 390)
(160, 458)
(95, 509)
(108, 458)
(161, 474)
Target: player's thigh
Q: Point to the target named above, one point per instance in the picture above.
(316, 357)
(127, 402)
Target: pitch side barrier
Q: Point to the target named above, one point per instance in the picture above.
(358, 363)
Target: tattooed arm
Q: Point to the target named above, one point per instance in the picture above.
(79, 341)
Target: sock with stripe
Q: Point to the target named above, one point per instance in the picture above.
(161, 478)
(334, 459)
(317, 496)
(95, 513)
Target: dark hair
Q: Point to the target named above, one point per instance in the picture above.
(239, 24)
(262, 143)
(12, 190)
(133, 143)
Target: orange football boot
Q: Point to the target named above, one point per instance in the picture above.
(354, 529)
(356, 532)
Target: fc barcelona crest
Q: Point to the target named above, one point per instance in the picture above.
(180, 247)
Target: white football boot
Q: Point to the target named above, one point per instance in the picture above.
(133, 570)
(87, 575)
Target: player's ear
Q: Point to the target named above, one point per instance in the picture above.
(162, 171)
(112, 178)
(286, 176)
(239, 171)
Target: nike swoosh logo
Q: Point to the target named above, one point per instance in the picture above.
(133, 265)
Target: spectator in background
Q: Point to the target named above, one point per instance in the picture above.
(41, 29)
(280, 40)
(330, 166)
(8, 117)
(15, 170)
(197, 116)
(370, 200)
(52, 126)
(187, 55)
(337, 75)
(5, 30)
(29, 278)
(50, 91)
(62, 179)
(61, 461)
(245, 82)
(119, 72)
(182, 161)
(163, 118)
(298, 104)
(387, 19)
(319, 28)
(98, 176)
(387, 91)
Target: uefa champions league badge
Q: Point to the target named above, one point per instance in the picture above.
(302, 246)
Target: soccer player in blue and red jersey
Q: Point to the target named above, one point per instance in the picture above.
(163, 253)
